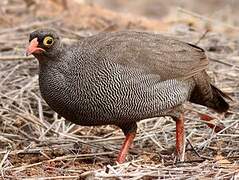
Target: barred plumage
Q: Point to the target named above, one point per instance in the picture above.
(123, 77)
(109, 95)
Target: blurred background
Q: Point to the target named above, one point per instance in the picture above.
(124, 14)
(225, 10)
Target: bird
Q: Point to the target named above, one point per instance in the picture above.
(119, 78)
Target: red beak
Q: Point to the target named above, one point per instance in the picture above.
(33, 48)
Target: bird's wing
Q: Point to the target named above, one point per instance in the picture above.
(154, 53)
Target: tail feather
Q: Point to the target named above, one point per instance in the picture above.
(220, 92)
(218, 102)
(206, 94)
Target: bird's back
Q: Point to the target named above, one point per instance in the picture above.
(153, 53)
(163, 56)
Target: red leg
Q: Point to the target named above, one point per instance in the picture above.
(180, 137)
(125, 147)
(216, 128)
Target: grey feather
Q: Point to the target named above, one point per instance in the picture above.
(121, 78)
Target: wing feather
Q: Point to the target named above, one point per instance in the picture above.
(154, 53)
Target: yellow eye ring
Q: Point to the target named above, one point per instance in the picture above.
(48, 41)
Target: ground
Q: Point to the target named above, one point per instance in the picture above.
(36, 143)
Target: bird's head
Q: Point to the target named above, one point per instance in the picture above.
(43, 42)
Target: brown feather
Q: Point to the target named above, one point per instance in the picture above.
(154, 53)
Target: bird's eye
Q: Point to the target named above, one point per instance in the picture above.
(48, 41)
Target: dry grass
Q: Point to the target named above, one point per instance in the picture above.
(35, 142)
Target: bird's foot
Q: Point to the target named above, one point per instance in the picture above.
(180, 138)
(209, 119)
(125, 147)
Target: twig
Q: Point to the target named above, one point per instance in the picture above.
(15, 58)
(224, 63)
(202, 37)
(4, 159)
(67, 157)
(30, 25)
(54, 177)
(204, 18)
(203, 157)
